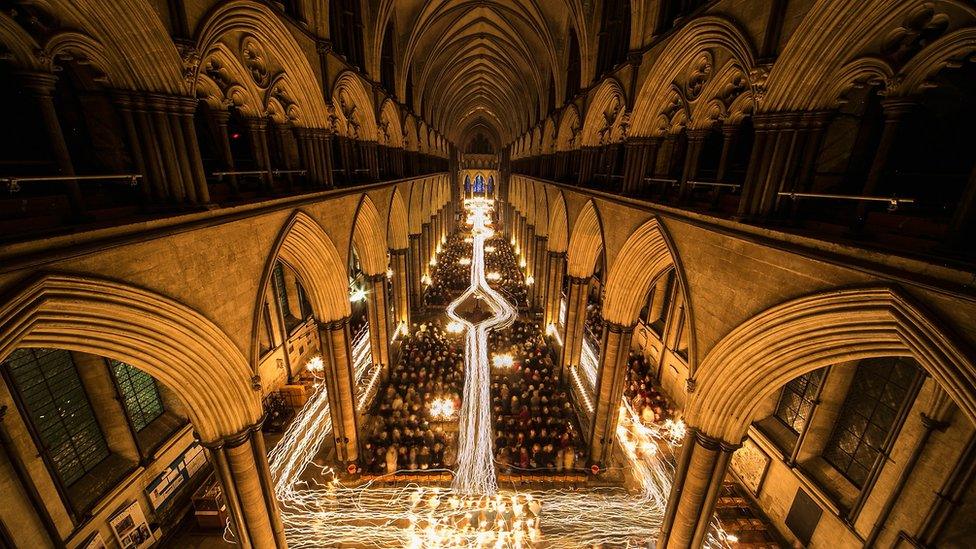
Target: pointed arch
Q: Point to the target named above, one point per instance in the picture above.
(353, 107)
(397, 229)
(416, 211)
(390, 130)
(168, 340)
(368, 237)
(541, 210)
(569, 128)
(558, 224)
(585, 242)
(644, 256)
(786, 341)
(305, 247)
(271, 49)
(604, 114)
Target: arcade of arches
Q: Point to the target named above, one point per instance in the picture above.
(356, 273)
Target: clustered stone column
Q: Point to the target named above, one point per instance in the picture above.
(340, 383)
(537, 293)
(379, 323)
(315, 150)
(609, 390)
(426, 251)
(701, 468)
(241, 464)
(555, 272)
(163, 140)
(401, 285)
(416, 272)
(528, 252)
(575, 321)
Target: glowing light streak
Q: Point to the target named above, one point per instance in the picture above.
(330, 514)
(475, 474)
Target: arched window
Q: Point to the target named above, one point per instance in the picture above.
(674, 11)
(573, 70)
(388, 61)
(614, 35)
(346, 30)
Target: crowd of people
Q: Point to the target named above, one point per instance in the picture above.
(415, 413)
(449, 277)
(642, 394)
(500, 258)
(535, 425)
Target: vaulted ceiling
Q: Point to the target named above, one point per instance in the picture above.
(481, 66)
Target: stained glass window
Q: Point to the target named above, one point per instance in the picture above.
(59, 410)
(796, 400)
(874, 402)
(139, 394)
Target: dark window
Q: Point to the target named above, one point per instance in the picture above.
(796, 400)
(281, 292)
(573, 70)
(675, 11)
(614, 35)
(346, 30)
(139, 394)
(804, 516)
(59, 411)
(661, 304)
(388, 61)
(874, 406)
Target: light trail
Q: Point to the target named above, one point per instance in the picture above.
(326, 513)
(475, 474)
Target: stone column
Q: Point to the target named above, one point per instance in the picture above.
(696, 139)
(609, 389)
(575, 318)
(257, 129)
(241, 464)
(401, 285)
(416, 272)
(555, 271)
(537, 292)
(757, 158)
(635, 163)
(151, 149)
(220, 119)
(341, 384)
(729, 134)
(124, 104)
(195, 161)
(379, 323)
(184, 157)
(41, 87)
(172, 175)
(701, 468)
(426, 250)
(528, 252)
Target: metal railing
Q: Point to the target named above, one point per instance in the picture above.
(893, 202)
(259, 172)
(733, 186)
(13, 183)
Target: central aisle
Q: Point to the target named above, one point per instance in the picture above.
(475, 473)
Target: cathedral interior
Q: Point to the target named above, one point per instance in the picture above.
(488, 274)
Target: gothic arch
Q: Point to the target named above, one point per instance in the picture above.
(788, 340)
(549, 137)
(558, 224)
(541, 208)
(353, 108)
(175, 344)
(396, 229)
(410, 133)
(700, 35)
(368, 238)
(305, 247)
(644, 256)
(390, 131)
(266, 51)
(417, 209)
(819, 58)
(585, 242)
(569, 127)
(604, 115)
